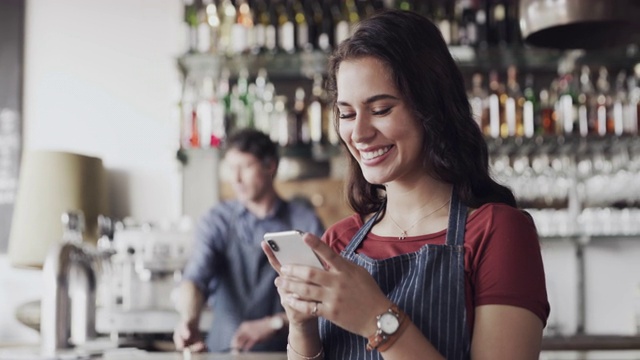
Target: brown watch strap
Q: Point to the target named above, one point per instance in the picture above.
(382, 342)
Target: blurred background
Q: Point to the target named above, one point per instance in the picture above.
(136, 96)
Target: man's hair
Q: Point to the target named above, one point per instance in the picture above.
(254, 142)
(415, 54)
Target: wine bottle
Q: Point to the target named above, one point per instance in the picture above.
(302, 28)
(228, 18)
(286, 27)
(191, 20)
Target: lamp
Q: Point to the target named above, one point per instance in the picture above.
(51, 183)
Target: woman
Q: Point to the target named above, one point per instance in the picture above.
(438, 262)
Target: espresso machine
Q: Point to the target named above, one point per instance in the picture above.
(142, 267)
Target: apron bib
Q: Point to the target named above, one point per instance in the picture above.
(428, 285)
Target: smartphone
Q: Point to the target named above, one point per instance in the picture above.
(289, 248)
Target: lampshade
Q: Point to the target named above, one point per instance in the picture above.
(51, 183)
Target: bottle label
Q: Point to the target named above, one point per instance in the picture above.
(287, 37)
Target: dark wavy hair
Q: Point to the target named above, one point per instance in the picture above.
(454, 149)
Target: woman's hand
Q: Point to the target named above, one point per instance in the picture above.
(296, 318)
(344, 293)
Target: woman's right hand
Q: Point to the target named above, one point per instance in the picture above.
(296, 318)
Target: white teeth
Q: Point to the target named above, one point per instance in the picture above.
(368, 155)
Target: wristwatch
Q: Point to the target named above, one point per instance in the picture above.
(388, 324)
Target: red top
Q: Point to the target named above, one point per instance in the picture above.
(502, 260)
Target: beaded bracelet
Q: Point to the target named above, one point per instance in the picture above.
(314, 357)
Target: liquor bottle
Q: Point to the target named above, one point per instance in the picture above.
(228, 18)
(586, 103)
(213, 19)
(188, 104)
(482, 37)
(299, 128)
(603, 100)
(316, 112)
(204, 30)
(352, 14)
(567, 104)
(286, 27)
(302, 26)
(514, 104)
(531, 109)
(634, 103)
(497, 24)
(315, 19)
(260, 23)
(260, 108)
(478, 99)
(191, 20)
(548, 99)
(271, 33)
(497, 100)
(468, 32)
(240, 101)
(241, 38)
(442, 20)
(620, 103)
(224, 96)
(340, 21)
(326, 34)
(210, 115)
(280, 121)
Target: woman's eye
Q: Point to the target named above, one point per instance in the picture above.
(381, 111)
(346, 115)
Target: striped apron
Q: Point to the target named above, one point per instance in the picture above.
(428, 285)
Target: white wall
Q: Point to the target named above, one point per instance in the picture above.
(101, 79)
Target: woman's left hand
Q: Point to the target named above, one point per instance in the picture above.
(345, 293)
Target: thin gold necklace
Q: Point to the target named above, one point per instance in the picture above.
(403, 232)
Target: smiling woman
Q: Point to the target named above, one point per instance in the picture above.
(408, 276)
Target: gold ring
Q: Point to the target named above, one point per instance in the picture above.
(314, 311)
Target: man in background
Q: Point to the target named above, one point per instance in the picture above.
(227, 269)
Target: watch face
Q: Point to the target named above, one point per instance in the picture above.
(388, 323)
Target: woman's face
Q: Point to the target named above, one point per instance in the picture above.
(376, 124)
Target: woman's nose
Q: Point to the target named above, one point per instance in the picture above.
(362, 128)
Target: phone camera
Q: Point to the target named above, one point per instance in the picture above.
(273, 245)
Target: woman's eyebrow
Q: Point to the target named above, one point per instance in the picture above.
(371, 99)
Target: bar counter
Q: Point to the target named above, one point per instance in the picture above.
(143, 355)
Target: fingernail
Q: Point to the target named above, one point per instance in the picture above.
(277, 281)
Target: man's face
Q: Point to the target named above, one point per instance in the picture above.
(250, 179)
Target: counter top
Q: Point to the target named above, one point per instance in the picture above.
(591, 342)
(33, 353)
(143, 355)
